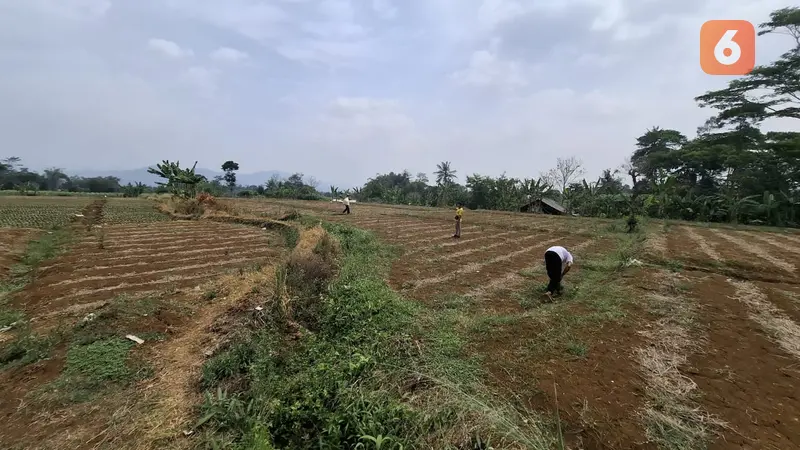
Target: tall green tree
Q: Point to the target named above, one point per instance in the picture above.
(230, 168)
(445, 178)
(769, 91)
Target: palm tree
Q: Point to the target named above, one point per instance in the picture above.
(445, 177)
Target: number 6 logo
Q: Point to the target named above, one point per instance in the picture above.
(727, 47)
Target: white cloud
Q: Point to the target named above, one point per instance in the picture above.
(70, 9)
(203, 79)
(169, 48)
(335, 87)
(384, 8)
(227, 54)
(486, 69)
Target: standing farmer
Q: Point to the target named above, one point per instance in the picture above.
(558, 261)
(459, 214)
(346, 202)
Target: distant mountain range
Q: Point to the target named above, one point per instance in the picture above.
(140, 175)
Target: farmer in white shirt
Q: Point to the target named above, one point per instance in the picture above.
(558, 261)
(346, 202)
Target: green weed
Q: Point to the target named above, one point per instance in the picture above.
(290, 236)
(374, 370)
(93, 369)
(27, 348)
(578, 349)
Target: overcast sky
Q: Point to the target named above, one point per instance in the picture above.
(343, 89)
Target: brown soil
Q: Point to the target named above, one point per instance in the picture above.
(744, 378)
(13, 242)
(75, 285)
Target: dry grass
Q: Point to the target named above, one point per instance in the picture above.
(702, 243)
(181, 359)
(755, 250)
(656, 243)
(474, 267)
(672, 417)
(783, 330)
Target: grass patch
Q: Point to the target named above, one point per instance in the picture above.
(372, 368)
(27, 348)
(93, 369)
(592, 295)
(577, 349)
(290, 236)
(118, 315)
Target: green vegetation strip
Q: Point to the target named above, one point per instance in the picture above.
(377, 371)
(26, 348)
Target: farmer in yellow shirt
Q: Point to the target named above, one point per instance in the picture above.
(459, 214)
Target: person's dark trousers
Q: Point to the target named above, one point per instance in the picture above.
(553, 264)
(346, 209)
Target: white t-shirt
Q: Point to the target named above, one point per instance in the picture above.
(346, 201)
(566, 257)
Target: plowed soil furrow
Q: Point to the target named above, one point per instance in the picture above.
(756, 251)
(783, 330)
(422, 232)
(781, 249)
(464, 277)
(496, 295)
(791, 238)
(155, 266)
(774, 241)
(112, 232)
(438, 243)
(598, 392)
(745, 379)
(88, 262)
(435, 230)
(139, 289)
(44, 296)
(700, 243)
(782, 297)
(189, 245)
(415, 268)
(203, 254)
(87, 282)
(13, 243)
(656, 244)
(123, 245)
(161, 227)
(732, 256)
(461, 252)
(399, 227)
(150, 237)
(669, 341)
(448, 241)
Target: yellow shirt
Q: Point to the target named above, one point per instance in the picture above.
(459, 212)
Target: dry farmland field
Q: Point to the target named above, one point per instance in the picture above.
(679, 336)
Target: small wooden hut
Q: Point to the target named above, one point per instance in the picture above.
(543, 206)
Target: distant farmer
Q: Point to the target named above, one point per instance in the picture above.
(558, 261)
(346, 202)
(459, 214)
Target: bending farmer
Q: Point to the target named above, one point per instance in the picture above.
(346, 202)
(558, 261)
